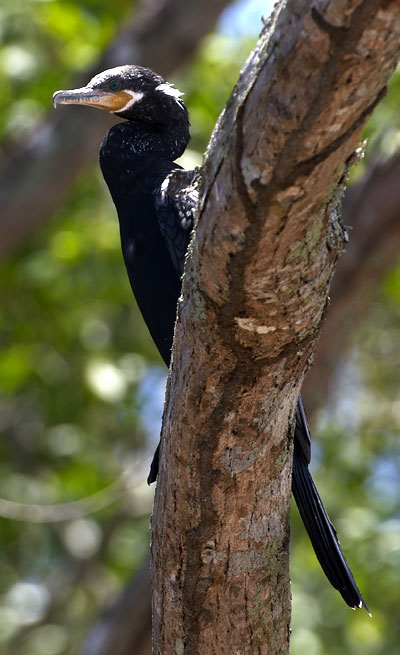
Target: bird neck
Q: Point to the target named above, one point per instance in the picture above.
(167, 140)
(130, 152)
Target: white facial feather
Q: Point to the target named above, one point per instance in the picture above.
(169, 90)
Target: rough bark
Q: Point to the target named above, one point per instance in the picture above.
(38, 172)
(255, 289)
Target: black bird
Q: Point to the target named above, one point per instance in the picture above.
(156, 218)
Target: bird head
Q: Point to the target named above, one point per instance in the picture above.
(132, 92)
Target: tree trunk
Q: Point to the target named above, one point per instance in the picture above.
(371, 210)
(254, 292)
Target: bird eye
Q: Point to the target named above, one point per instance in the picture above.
(114, 85)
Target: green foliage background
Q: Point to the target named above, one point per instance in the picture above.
(81, 383)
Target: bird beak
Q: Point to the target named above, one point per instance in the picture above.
(93, 97)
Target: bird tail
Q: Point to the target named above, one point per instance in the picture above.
(322, 533)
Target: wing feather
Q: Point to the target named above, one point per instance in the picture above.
(175, 202)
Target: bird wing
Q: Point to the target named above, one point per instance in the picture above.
(175, 203)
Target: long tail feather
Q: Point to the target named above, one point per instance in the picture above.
(322, 533)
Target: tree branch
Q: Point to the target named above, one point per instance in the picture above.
(126, 626)
(255, 290)
(371, 211)
(38, 173)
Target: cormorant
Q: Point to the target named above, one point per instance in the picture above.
(156, 219)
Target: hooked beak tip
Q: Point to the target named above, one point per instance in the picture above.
(56, 96)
